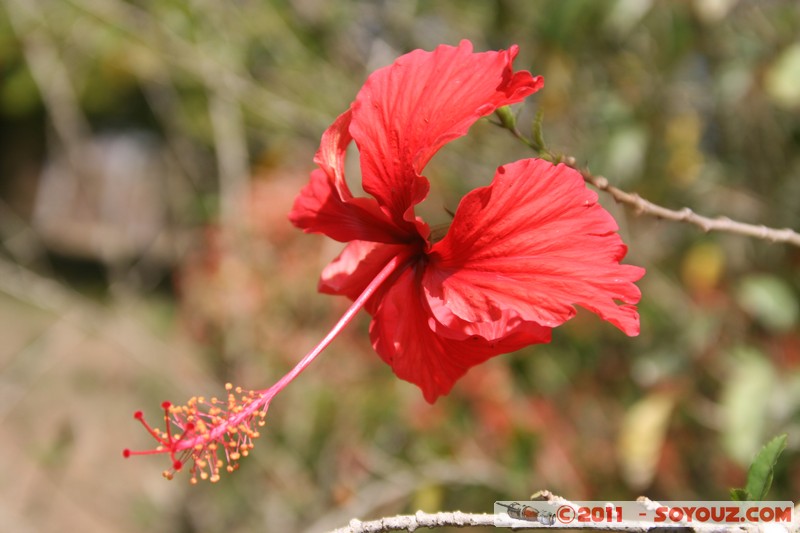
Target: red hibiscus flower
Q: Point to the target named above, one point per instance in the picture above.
(519, 254)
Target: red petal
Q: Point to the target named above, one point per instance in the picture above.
(332, 151)
(407, 111)
(508, 326)
(319, 209)
(401, 334)
(357, 265)
(326, 205)
(536, 242)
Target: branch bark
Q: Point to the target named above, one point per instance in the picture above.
(420, 519)
(467, 520)
(645, 207)
(722, 223)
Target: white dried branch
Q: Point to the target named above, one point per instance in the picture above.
(466, 520)
(396, 482)
(420, 519)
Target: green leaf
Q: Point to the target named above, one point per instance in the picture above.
(745, 402)
(759, 477)
(781, 78)
(739, 495)
(770, 301)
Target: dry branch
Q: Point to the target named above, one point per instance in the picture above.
(642, 206)
(467, 520)
(646, 207)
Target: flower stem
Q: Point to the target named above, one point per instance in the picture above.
(348, 316)
(261, 399)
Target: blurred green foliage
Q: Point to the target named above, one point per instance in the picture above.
(693, 103)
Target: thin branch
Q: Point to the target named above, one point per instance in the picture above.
(503, 520)
(642, 206)
(146, 30)
(412, 522)
(133, 339)
(230, 143)
(51, 76)
(467, 520)
(707, 224)
(396, 483)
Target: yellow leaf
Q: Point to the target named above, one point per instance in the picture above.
(642, 437)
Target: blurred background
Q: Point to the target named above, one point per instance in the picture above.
(151, 150)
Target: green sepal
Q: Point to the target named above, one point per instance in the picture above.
(507, 118)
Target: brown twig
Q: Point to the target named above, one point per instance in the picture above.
(646, 207)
